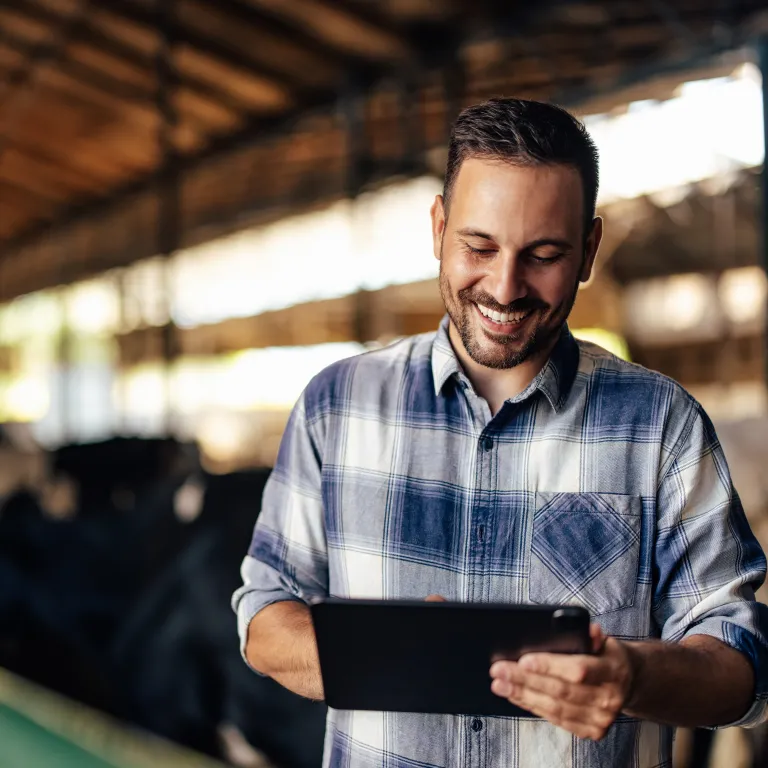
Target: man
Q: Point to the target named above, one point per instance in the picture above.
(500, 460)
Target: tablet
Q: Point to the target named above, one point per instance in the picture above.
(414, 656)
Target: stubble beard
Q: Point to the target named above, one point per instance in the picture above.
(461, 309)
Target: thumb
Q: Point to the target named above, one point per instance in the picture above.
(597, 637)
(435, 599)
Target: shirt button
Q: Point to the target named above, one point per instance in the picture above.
(477, 725)
(487, 443)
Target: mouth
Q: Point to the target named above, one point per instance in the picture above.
(502, 322)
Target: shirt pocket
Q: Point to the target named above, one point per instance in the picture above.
(585, 549)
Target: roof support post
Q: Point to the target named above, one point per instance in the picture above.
(412, 122)
(168, 188)
(762, 56)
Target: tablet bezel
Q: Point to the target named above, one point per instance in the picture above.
(433, 657)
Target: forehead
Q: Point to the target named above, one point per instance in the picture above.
(499, 195)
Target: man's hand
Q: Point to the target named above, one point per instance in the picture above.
(582, 694)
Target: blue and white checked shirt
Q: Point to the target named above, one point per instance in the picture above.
(602, 484)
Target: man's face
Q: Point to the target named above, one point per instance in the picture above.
(512, 253)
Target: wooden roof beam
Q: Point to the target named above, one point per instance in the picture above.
(354, 29)
(44, 188)
(280, 21)
(97, 173)
(23, 194)
(91, 35)
(36, 55)
(207, 120)
(182, 35)
(50, 173)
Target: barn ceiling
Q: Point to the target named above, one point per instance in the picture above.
(132, 127)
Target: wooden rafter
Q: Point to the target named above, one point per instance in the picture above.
(97, 43)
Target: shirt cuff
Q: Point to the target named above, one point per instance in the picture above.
(744, 641)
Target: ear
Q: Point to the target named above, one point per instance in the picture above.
(437, 211)
(590, 250)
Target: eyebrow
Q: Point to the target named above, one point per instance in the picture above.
(532, 246)
(564, 244)
(475, 233)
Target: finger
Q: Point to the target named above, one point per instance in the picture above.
(573, 668)
(503, 669)
(607, 667)
(597, 637)
(435, 599)
(587, 722)
(606, 697)
(554, 687)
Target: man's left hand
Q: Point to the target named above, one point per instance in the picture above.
(582, 694)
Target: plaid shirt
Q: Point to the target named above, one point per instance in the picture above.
(602, 484)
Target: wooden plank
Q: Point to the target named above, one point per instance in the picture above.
(10, 58)
(61, 7)
(201, 112)
(216, 45)
(30, 30)
(94, 168)
(15, 171)
(198, 67)
(124, 95)
(141, 36)
(276, 28)
(32, 201)
(59, 117)
(77, 182)
(127, 115)
(340, 27)
(252, 46)
(205, 110)
(15, 214)
(257, 92)
(104, 52)
(106, 61)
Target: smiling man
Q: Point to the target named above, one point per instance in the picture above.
(500, 460)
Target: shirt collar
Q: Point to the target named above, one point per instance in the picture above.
(554, 381)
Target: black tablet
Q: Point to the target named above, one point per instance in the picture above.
(403, 656)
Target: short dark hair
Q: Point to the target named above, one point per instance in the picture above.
(524, 132)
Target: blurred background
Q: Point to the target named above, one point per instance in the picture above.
(205, 202)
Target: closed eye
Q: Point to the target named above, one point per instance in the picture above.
(480, 251)
(546, 259)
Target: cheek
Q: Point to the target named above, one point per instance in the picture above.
(557, 287)
(461, 271)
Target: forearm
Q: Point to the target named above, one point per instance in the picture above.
(698, 682)
(281, 644)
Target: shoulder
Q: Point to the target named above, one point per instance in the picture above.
(626, 387)
(370, 377)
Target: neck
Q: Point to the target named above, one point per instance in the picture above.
(497, 385)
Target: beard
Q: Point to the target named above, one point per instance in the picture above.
(502, 351)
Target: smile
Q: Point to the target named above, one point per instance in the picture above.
(500, 319)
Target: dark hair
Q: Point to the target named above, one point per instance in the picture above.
(524, 132)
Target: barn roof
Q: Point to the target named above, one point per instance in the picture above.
(271, 106)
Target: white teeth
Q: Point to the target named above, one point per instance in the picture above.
(499, 317)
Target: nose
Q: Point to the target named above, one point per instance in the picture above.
(506, 281)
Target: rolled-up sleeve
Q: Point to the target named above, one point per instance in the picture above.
(707, 563)
(287, 558)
